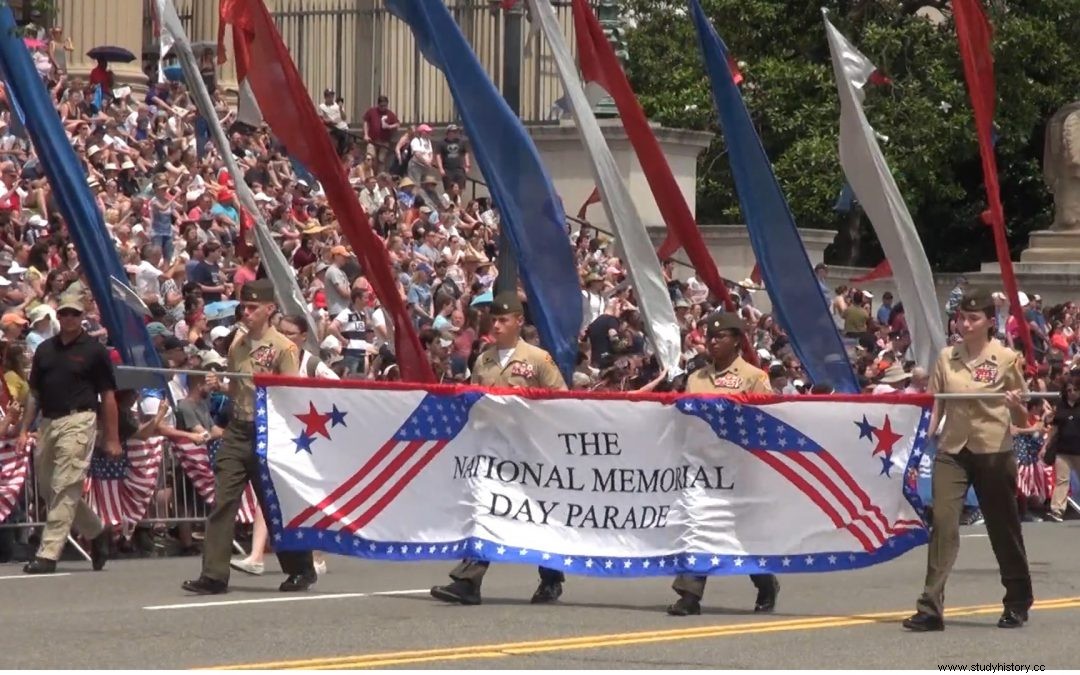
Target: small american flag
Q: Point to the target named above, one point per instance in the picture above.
(14, 470)
(120, 490)
(196, 459)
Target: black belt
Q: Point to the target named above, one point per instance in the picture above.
(52, 415)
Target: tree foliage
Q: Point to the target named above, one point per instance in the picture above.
(925, 113)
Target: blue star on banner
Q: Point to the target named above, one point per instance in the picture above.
(337, 417)
(303, 442)
(866, 430)
(886, 466)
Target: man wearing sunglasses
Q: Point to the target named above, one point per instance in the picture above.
(71, 371)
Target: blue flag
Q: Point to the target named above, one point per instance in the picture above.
(793, 287)
(530, 210)
(127, 331)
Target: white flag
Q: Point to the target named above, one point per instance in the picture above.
(277, 268)
(642, 264)
(873, 183)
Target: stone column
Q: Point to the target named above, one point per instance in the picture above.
(91, 23)
(204, 28)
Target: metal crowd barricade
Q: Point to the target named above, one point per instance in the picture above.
(175, 502)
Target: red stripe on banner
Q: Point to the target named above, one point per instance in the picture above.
(287, 108)
(974, 35)
(827, 508)
(864, 499)
(814, 470)
(340, 491)
(371, 488)
(599, 64)
(393, 492)
(924, 401)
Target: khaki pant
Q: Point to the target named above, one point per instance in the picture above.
(694, 584)
(235, 465)
(61, 460)
(1064, 465)
(994, 478)
(474, 571)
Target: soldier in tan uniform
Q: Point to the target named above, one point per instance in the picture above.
(510, 362)
(727, 373)
(261, 349)
(974, 447)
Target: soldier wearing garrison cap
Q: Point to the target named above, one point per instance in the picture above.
(509, 362)
(726, 373)
(261, 349)
(974, 447)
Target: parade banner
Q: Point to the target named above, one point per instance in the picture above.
(594, 484)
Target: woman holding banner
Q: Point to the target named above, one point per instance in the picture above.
(975, 448)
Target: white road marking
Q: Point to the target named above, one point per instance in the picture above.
(36, 576)
(288, 598)
(974, 536)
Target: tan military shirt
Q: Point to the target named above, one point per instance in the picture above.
(528, 366)
(980, 425)
(738, 378)
(273, 354)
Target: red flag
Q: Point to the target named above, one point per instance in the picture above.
(974, 34)
(291, 115)
(882, 271)
(878, 79)
(244, 249)
(599, 64)
(736, 74)
(593, 198)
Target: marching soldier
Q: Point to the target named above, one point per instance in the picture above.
(727, 373)
(974, 447)
(262, 349)
(510, 362)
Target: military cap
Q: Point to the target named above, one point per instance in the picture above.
(718, 323)
(976, 300)
(506, 303)
(260, 290)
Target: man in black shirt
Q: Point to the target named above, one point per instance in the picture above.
(452, 158)
(70, 372)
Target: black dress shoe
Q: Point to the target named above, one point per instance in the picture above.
(40, 566)
(1012, 618)
(205, 586)
(298, 582)
(686, 605)
(546, 592)
(766, 597)
(921, 622)
(99, 549)
(460, 592)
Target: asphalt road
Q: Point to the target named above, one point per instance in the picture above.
(365, 614)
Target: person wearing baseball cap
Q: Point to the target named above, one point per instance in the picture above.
(333, 116)
(452, 158)
(336, 283)
(508, 363)
(72, 381)
(726, 373)
(974, 447)
(422, 161)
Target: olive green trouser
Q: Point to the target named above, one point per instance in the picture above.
(994, 478)
(694, 584)
(474, 571)
(61, 460)
(236, 465)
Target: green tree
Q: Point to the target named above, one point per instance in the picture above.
(925, 113)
